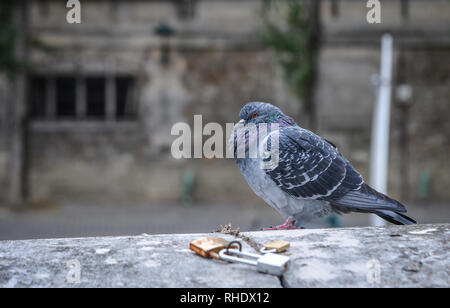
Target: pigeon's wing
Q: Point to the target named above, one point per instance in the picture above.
(310, 167)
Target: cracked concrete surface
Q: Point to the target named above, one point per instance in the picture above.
(406, 256)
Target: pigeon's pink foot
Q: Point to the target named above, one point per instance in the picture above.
(289, 224)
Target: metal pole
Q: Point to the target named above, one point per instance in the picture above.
(380, 126)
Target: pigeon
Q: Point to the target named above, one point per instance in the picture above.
(311, 179)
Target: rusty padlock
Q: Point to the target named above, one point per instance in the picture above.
(209, 247)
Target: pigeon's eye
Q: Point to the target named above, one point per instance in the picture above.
(255, 115)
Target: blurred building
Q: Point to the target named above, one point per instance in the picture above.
(103, 100)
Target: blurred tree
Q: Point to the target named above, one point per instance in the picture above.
(295, 40)
(13, 59)
(9, 63)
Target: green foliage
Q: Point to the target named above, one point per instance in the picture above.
(8, 63)
(290, 40)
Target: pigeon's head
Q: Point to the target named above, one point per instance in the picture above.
(259, 112)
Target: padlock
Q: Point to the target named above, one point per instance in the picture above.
(208, 247)
(268, 263)
(275, 247)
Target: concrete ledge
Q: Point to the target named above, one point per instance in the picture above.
(406, 256)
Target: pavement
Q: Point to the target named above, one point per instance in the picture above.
(69, 219)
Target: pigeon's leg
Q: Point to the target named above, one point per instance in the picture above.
(289, 224)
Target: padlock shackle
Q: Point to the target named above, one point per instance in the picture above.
(228, 257)
(263, 250)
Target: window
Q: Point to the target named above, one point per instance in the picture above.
(65, 97)
(97, 98)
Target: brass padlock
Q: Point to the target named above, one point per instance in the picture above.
(208, 247)
(275, 246)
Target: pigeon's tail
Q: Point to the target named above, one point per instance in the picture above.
(395, 218)
(368, 200)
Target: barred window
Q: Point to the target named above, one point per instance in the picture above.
(82, 98)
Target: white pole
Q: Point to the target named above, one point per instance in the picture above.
(380, 125)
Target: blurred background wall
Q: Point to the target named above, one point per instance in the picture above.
(104, 94)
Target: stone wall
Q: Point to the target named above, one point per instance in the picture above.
(396, 257)
(216, 64)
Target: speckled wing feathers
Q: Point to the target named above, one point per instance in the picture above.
(310, 167)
